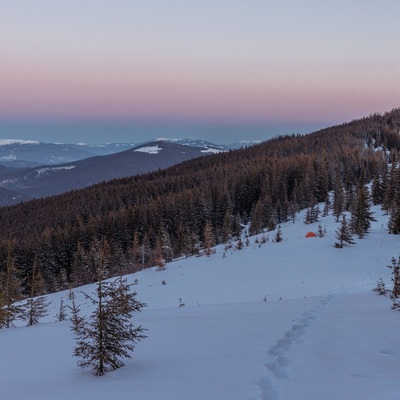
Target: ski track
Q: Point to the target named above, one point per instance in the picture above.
(280, 355)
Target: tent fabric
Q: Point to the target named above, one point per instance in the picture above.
(310, 234)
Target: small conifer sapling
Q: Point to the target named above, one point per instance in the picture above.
(380, 288)
(343, 234)
(62, 313)
(36, 307)
(109, 335)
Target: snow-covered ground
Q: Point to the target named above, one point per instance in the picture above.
(321, 333)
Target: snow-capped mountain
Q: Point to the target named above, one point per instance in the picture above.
(37, 169)
(18, 153)
(203, 144)
(31, 153)
(103, 149)
(212, 146)
(53, 179)
(111, 148)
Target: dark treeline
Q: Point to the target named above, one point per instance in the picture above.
(152, 218)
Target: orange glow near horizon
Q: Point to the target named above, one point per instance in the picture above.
(207, 61)
(152, 93)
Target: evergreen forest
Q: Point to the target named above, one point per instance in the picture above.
(183, 211)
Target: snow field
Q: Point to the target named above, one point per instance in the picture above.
(321, 334)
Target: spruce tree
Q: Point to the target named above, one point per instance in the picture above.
(158, 258)
(108, 335)
(278, 237)
(256, 224)
(135, 251)
(321, 230)
(10, 294)
(394, 207)
(227, 227)
(343, 234)
(338, 199)
(377, 190)
(395, 267)
(361, 215)
(36, 307)
(391, 187)
(380, 288)
(2, 312)
(394, 217)
(271, 225)
(327, 206)
(75, 317)
(166, 246)
(62, 313)
(312, 214)
(208, 242)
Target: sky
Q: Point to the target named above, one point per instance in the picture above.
(222, 70)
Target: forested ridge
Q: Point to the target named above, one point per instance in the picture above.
(152, 218)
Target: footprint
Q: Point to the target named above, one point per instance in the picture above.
(280, 353)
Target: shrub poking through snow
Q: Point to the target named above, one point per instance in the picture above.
(278, 237)
(380, 288)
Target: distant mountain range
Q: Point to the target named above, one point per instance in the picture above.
(52, 179)
(31, 169)
(31, 153)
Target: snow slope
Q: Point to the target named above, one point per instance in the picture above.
(320, 334)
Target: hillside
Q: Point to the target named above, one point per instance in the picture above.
(15, 152)
(320, 334)
(48, 180)
(155, 217)
(9, 197)
(31, 153)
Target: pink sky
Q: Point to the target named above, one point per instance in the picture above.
(203, 61)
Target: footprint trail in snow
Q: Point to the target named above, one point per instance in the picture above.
(279, 355)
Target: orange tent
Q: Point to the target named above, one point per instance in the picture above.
(311, 234)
